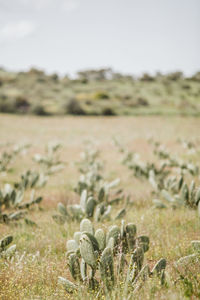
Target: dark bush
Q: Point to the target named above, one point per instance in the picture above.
(22, 104)
(10, 105)
(41, 79)
(74, 108)
(186, 86)
(175, 76)
(142, 101)
(34, 71)
(108, 111)
(195, 77)
(127, 97)
(84, 81)
(88, 102)
(38, 109)
(7, 105)
(54, 77)
(146, 77)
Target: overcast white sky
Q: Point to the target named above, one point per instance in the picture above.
(131, 36)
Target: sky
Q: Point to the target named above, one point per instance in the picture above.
(130, 36)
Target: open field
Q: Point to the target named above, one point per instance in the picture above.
(40, 258)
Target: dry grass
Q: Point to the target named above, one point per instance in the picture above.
(41, 251)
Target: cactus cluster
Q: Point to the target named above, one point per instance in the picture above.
(98, 258)
(171, 184)
(96, 195)
(178, 193)
(90, 168)
(50, 161)
(8, 156)
(5, 251)
(31, 179)
(192, 258)
(144, 170)
(190, 146)
(170, 190)
(175, 162)
(12, 204)
(97, 206)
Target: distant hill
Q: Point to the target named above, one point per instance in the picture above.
(99, 92)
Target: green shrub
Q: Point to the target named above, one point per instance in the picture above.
(7, 105)
(54, 77)
(108, 111)
(195, 77)
(38, 109)
(101, 95)
(22, 104)
(147, 77)
(175, 76)
(73, 107)
(142, 101)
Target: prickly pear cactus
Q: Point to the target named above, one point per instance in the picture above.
(178, 193)
(192, 258)
(96, 194)
(5, 251)
(92, 257)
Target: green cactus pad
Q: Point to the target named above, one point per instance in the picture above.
(101, 195)
(77, 236)
(86, 225)
(130, 233)
(60, 220)
(159, 266)
(87, 251)
(90, 206)
(143, 241)
(107, 268)
(83, 269)
(72, 245)
(120, 214)
(76, 211)
(114, 232)
(93, 240)
(101, 238)
(74, 266)
(62, 209)
(196, 246)
(5, 242)
(83, 199)
(69, 286)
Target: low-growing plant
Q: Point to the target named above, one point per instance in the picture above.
(188, 269)
(96, 195)
(176, 162)
(31, 179)
(73, 107)
(7, 157)
(38, 109)
(12, 204)
(100, 260)
(97, 206)
(185, 260)
(50, 161)
(5, 251)
(178, 193)
(90, 168)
